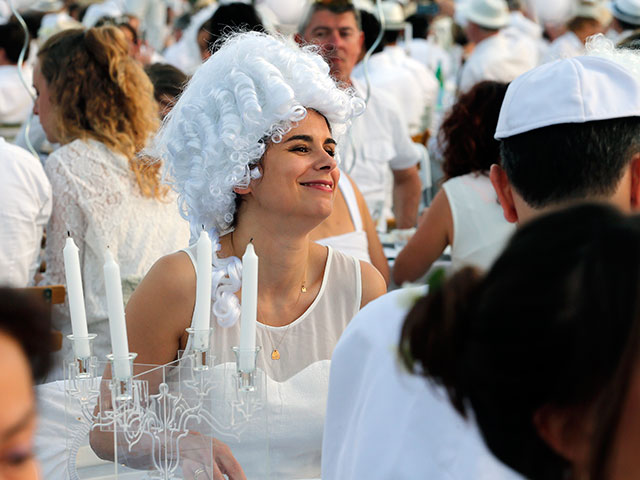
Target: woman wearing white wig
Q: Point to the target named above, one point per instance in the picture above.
(251, 151)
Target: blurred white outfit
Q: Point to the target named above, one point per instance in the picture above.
(566, 45)
(25, 207)
(381, 143)
(185, 54)
(412, 84)
(97, 200)
(384, 423)
(15, 101)
(153, 18)
(480, 231)
(501, 58)
(431, 55)
(353, 243)
(297, 383)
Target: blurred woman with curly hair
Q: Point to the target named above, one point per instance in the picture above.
(98, 103)
(465, 213)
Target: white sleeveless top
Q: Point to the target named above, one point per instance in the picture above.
(296, 384)
(353, 243)
(480, 230)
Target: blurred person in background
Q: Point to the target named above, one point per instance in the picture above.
(97, 102)
(25, 338)
(168, 83)
(379, 154)
(465, 213)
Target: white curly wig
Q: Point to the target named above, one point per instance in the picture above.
(253, 90)
(600, 46)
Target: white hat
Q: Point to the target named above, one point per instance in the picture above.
(572, 90)
(594, 9)
(393, 15)
(626, 10)
(492, 14)
(47, 6)
(98, 10)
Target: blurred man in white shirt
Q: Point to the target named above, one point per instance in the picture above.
(25, 207)
(378, 139)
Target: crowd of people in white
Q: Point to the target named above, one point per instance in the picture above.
(315, 131)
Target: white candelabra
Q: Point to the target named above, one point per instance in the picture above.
(162, 418)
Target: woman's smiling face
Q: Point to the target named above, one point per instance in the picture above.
(299, 174)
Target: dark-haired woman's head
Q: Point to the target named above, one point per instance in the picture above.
(466, 135)
(25, 340)
(544, 348)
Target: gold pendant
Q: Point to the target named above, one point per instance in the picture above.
(275, 355)
(303, 289)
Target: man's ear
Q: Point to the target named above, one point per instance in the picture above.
(504, 191)
(635, 182)
(242, 191)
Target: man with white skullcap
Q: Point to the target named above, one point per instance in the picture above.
(570, 131)
(626, 19)
(500, 53)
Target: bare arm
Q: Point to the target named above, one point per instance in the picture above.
(376, 253)
(373, 285)
(434, 233)
(406, 196)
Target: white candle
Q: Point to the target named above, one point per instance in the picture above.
(76, 299)
(249, 309)
(117, 325)
(202, 309)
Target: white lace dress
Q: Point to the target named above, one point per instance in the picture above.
(96, 198)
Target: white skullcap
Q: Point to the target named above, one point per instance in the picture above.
(573, 90)
(393, 15)
(626, 10)
(491, 14)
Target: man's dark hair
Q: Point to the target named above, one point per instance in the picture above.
(419, 24)
(12, 40)
(232, 17)
(166, 79)
(391, 36)
(570, 161)
(334, 6)
(626, 25)
(371, 30)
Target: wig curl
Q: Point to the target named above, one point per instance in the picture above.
(251, 92)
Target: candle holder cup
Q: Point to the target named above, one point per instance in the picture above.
(246, 367)
(122, 378)
(83, 363)
(201, 345)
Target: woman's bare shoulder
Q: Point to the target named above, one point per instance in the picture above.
(373, 283)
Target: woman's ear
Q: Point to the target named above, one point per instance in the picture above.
(566, 432)
(242, 191)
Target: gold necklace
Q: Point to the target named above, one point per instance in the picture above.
(275, 353)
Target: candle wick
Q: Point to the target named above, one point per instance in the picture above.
(251, 240)
(68, 233)
(203, 226)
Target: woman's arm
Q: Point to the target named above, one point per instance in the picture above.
(373, 285)
(378, 258)
(435, 232)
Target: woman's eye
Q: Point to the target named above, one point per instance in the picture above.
(331, 152)
(300, 148)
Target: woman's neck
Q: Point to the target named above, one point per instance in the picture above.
(283, 257)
